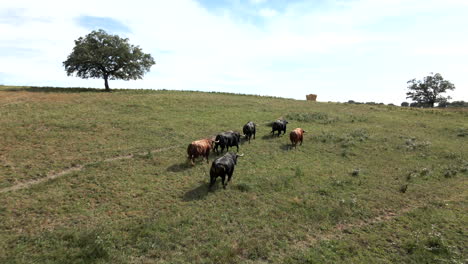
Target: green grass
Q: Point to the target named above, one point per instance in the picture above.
(338, 198)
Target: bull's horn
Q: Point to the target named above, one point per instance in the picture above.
(241, 155)
(217, 141)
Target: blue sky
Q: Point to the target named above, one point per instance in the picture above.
(362, 50)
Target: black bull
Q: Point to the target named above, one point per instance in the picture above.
(226, 140)
(279, 125)
(249, 130)
(223, 166)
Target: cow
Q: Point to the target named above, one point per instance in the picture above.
(279, 125)
(223, 166)
(226, 140)
(249, 129)
(199, 148)
(295, 136)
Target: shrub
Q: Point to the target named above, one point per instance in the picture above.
(403, 188)
(413, 144)
(457, 104)
(243, 187)
(462, 132)
(319, 117)
(355, 172)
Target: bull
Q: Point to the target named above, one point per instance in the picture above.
(199, 148)
(223, 166)
(249, 129)
(226, 140)
(279, 125)
(296, 136)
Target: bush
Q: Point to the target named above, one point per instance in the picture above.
(457, 104)
(405, 104)
(355, 172)
(319, 117)
(413, 144)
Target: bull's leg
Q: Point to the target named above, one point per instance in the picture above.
(212, 181)
(301, 142)
(223, 178)
(237, 147)
(230, 175)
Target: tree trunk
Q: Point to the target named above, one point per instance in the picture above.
(106, 83)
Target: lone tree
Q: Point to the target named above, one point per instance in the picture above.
(101, 55)
(428, 91)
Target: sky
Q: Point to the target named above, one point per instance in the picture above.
(361, 50)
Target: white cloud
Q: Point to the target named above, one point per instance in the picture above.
(256, 2)
(267, 12)
(362, 50)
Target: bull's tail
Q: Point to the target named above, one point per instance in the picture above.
(219, 169)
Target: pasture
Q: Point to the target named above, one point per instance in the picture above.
(94, 177)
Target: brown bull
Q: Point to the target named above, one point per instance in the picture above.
(295, 136)
(199, 148)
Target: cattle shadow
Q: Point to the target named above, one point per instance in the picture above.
(179, 167)
(200, 192)
(243, 140)
(270, 136)
(246, 141)
(286, 147)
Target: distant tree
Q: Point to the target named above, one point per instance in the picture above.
(428, 91)
(405, 104)
(458, 104)
(101, 55)
(443, 104)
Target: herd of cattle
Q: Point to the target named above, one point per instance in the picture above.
(224, 166)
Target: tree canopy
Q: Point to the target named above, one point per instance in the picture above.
(101, 55)
(428, 91)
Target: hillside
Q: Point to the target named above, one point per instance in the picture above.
(94, 177)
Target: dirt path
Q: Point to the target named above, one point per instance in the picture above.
(54, 175)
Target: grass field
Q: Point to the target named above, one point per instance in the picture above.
(94, 177)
